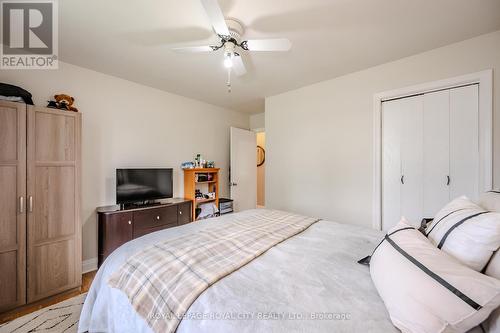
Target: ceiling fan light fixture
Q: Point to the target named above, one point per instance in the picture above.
(228, 60)
(230, 32)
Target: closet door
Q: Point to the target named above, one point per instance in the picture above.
(391, 163)
(436, 159)
(412, 159)
(54, 231)
(12, 205)
(464, 142)
(402, 165)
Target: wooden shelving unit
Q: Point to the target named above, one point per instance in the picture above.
(190, 185)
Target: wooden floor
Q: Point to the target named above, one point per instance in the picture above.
(24, 310)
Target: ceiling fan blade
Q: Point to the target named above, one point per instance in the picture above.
(277, 44)
(194, 49)
(239, 66)
(215, 16)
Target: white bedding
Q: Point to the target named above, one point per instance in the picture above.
(286, 289)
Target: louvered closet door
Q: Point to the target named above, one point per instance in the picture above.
(54, 232)
(436, 152)
(12, 205)
(464, 142)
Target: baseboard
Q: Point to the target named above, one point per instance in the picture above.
(89, 265)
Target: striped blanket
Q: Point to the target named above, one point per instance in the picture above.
(163, 280)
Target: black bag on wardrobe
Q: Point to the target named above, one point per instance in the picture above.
(9, 90)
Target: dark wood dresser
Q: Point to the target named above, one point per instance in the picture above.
(118, 226)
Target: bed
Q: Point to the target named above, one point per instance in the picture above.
(309, 282)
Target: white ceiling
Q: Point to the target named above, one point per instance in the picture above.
(132, 40)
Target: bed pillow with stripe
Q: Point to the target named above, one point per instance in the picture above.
(466, 231)
(427, 290)
(491, 201)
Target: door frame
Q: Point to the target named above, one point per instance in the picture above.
(485, 81)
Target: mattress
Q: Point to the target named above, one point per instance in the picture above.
(310, 282)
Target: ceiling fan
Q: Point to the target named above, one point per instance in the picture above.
(230, 32)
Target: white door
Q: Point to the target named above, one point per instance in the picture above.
(464, 142)
(402, 169)
(430, 153)
(243, 170)
(412, 159)
(391, 166)
(436, 151)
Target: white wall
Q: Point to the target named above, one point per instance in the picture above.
(319, 138)
(130, 125)
(257, 121)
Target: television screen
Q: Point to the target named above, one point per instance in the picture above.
(136, 185)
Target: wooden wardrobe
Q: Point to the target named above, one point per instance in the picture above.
(40, 229)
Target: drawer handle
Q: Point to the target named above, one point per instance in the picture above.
(180, 212)
(30, 204)
(21, 204)
(129, 222)
(158, 217)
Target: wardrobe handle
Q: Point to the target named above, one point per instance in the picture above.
(30, 204)
(21, 204)
(448, 180)
(403, 179)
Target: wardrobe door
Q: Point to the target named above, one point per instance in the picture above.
(12, 205)
(391, 164)
(436, 160)
(412, 159)
(54, 232)
(464, 143)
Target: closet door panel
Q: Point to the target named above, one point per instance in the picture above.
(391, 164)
(54, 231)
(12, 194)
(412, 159)
(436, 150)
(464, 144)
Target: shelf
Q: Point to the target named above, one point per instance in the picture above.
(204, 200)
(202, 170)
(207, 182)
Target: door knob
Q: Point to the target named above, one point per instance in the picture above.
(403, 179)
(233, 184)
(448, 180)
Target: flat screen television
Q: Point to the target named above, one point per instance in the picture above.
(142, 185)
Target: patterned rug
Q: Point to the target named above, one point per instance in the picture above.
(57, 318)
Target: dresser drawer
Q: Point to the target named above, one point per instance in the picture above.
(155, 217)
(141, 232)
(184, 213)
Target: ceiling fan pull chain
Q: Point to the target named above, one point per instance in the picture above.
(228, 84)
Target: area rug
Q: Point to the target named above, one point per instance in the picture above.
(57, 318)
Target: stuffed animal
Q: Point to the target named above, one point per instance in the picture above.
(64, 102)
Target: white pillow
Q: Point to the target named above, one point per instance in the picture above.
(466, 231)
(493, 268)
(492, 325)
(426, 290)
(490, 201)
